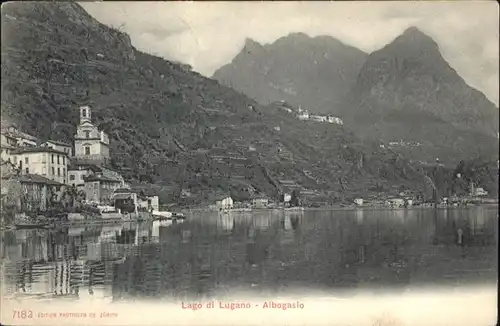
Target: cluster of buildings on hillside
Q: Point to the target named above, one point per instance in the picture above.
(409, 199)
(303, 114)
(226, 202)
(401, 143)
(45, 168)
(260, 201)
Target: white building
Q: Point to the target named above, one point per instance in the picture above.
(332, 119)
(11, 139)
(395, 202)
(78, 172)
(44, 161)
(318, 118)
(6, 149)
(260, 202)
(225, 202)
(303, 115)
(358, 201)
(59, 146)
(150, 201)
(90, 143)
(480, 192)
(22, 139)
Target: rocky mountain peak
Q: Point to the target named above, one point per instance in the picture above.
(408, 83)
(251, 44)
(315, 72)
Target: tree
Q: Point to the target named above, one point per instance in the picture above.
(295, 200)
(73, 197)
(10, 201)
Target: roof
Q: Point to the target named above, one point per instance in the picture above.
(256, 197)
(84, 166)
(8, 146)
(221, 197)
(12, 131)
(35, 178)
(57, 142)
(38, 149)
(100, 178)
(147, 192)
(123, 190)
(111, 174)
(121, 196)
(291, 182)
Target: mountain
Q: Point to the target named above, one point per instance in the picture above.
(407, 92)
(169, 125)
(315, 72)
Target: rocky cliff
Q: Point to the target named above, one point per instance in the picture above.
(407, 92)
(315, 72)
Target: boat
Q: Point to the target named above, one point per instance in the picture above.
(106, 216)
(178, 216)
(22, 221)
(167, 216)
(296, 208)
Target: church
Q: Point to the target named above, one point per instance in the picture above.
(91, 144)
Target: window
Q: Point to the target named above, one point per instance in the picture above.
(27, 171)
(26, 160)
(53, 171)
(58, 172)
(71, 177)
(64, 160)
(87, 134)
(58, 157)
(84, 113)
(64, 171)
(87, 150)
(81, 176)
(44, 170)
(52, 158)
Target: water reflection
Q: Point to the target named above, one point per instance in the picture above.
(269, 251)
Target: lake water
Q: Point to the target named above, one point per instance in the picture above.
(267, 252)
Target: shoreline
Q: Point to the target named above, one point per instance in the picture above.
(91, 222)
(342, 208)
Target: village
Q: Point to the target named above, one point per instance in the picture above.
(304, 115)
(36, 174)
(39, 176)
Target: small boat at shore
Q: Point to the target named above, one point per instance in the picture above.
(25, 222)
(167, 216)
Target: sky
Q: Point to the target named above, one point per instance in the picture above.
(207, 35)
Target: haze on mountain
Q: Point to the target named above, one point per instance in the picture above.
(407, 91)
(207, 35)
(169, 125)
(404, 92)
(315, 73)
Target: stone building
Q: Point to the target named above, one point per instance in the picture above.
(44, 161)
